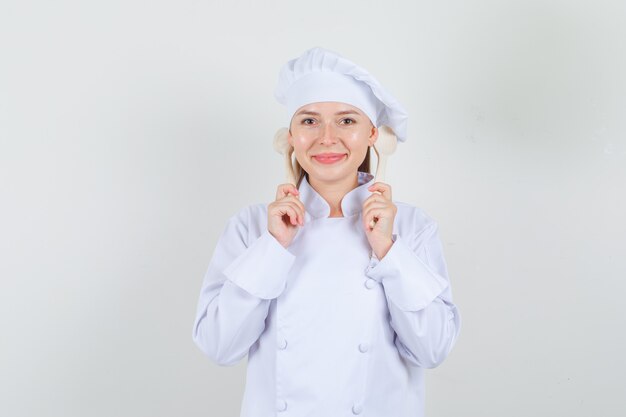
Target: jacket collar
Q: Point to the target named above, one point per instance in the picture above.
(351, 203)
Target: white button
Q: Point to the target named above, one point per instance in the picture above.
(356, 409)
(282, 345)
(370, 283)
(364, 347)
(281, 405)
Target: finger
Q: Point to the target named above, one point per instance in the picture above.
(376, 199)
(277, 208)
(295, 200)
(376, 205)
(289, 212)
(383, 188)
(299, 209)
(379, 212)
(379, 198)
(368, 219)
(285, 190)
(299, 212)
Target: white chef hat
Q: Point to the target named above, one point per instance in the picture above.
(321, 75)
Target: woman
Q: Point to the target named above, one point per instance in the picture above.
(337, 318)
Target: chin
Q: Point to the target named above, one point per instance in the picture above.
(330, 174)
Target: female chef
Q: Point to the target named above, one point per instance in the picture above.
(336, 318)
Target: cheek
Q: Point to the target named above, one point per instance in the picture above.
(357, 142)
(301, 144)
(300, 148)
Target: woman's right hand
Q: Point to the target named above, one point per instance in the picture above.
(286, 214)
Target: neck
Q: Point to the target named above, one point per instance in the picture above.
(334, 191)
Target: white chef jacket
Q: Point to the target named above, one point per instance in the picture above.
(329, 329)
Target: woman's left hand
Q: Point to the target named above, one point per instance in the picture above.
(379, 207)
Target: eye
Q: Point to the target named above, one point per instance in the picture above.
(307, 121)
(348, 121)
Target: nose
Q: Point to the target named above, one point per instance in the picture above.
(328, 134)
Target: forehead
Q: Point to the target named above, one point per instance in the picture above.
(329, 108)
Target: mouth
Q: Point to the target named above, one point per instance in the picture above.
(329, 158)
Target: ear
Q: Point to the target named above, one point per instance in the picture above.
(373, 135)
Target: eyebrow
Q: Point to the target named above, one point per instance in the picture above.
(339, 113)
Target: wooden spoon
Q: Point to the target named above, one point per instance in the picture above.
(384, 146)
(282, 146)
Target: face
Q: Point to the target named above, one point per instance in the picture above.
(330, 139)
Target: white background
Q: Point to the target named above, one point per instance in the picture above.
(130, 131)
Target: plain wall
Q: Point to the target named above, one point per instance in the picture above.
(130, 131)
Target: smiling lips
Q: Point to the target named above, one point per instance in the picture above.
(329, 158)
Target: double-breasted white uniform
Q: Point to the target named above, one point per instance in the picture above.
(329, 329)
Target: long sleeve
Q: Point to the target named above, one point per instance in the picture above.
(242, 279)
(415, 280)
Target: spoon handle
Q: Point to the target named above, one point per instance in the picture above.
(382, 167)
(282, 146)
(384, 146)
(380, 174)
(289, 174)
